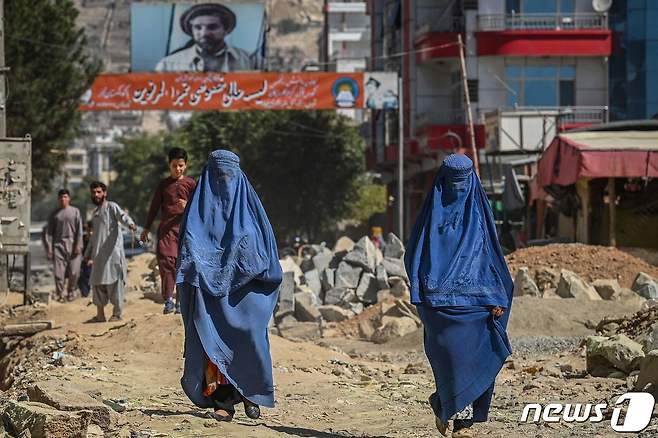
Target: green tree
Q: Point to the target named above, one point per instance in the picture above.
(50, 69)
(371, 199)
(305, 165)
(140, 165)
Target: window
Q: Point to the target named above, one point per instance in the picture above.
(539, 6)
(473, 89)
(540, 85)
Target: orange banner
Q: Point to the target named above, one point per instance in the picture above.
(231, 91)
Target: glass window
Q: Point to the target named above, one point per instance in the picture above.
(567, 93)
(514, 93)
(540, 92)
(540, 72)
(567, 72)
(513, 71)
(566, 6)
(541, 85)
(539, 6)
(513, 6)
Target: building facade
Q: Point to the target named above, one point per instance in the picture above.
(634, 65)
(541, 64)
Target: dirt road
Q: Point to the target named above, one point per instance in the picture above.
(331, 387)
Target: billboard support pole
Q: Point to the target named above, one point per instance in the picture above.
(400, 158)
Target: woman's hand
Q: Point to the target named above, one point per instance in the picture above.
(497, 311)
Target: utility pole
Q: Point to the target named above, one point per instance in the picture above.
(400, 157)
(467, 98)
(3, 72)
(4, 258)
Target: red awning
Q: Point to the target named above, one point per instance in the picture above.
(598, 154)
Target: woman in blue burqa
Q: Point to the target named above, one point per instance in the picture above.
(228, 278)
(463, 291)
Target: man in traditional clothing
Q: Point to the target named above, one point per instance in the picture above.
(63, 241)
(228, 278)
(463, 291)
(169, 199)
(208, 24)
(105, 253)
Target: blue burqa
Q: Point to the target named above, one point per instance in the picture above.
(458, 274)
(228, 277)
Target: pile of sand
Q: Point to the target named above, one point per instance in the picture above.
(588, 261)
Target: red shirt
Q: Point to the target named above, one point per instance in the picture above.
(165, 200)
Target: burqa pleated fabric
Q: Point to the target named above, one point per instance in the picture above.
(228, 275)
(458, 274)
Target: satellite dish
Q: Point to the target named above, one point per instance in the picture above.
(601, 6)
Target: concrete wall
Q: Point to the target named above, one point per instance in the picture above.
(434, 100)
(591, 82)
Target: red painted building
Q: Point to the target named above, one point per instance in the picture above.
(526, 55)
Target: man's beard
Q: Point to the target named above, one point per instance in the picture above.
(98, 201)
(210, 47)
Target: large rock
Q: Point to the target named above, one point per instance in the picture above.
(394, 267)
(321, 261)
(394, 247)
(608, 289)
(618, 352)
(344, 244)
(286, 304)
(546, 278)
(328, 279)
(45, 422)
(648, 378)
(306, 306)
(367, 289)
(347, 275)
(312, 280)
(399, 288)
(288, 265)
(645, 286)
(333, 313)
(572, 286)
(651, 341)
(64, 398)
(393, 327)
(524, 285)
(364, 254)
(340, 295)
(382, 277)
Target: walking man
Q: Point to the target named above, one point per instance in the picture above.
(105, 253)
(63, 242)
(169, 200)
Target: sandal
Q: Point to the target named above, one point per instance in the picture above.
(95, 320)
(221, 415)
(115, 318)
(251, 410)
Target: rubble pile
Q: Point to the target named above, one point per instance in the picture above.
(563, 283)
(627, 348)
(587, 261)
(334, 286)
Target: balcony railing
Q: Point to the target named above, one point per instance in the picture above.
(542, 21)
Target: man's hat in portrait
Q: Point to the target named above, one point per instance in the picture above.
(225, 14)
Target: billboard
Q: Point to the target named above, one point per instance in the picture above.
(200, 37)
(240, 91)
(381, 90)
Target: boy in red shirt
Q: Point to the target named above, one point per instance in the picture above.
(170, 199)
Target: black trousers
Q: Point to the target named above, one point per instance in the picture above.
(225, 397)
